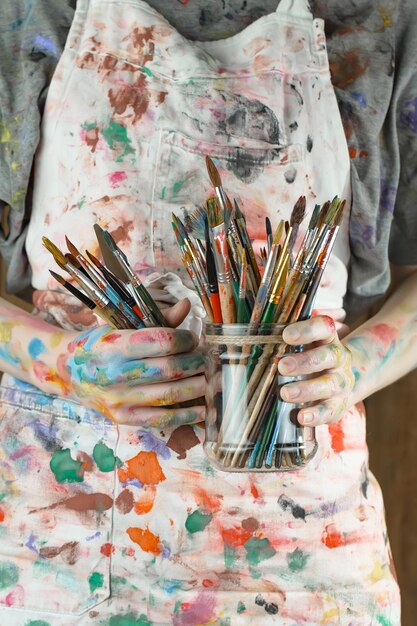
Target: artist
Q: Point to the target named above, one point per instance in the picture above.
(110, 512)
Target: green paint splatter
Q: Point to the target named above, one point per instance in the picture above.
(177, 607)
(89, 126)
(104, 457)
(65, 468)
(197, 521)
(9, 574)
(37, 622)
(176, 187)
(241, 607)
(129, 619)
(116, 137)
(230, 556)
(258, 550)
(297, 560)
(146, 70)
(81, 202)
(384, 621)
(95, 581)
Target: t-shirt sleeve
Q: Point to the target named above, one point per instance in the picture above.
(32, 38)
(403, 235)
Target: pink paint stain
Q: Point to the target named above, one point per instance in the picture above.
(196, 612)
(16, 597)
(117, 177)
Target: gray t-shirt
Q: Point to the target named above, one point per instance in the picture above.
(372, 51)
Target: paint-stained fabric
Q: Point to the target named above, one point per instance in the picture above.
(108, 524)
(32, 38)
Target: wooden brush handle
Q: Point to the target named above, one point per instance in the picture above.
(227, 302)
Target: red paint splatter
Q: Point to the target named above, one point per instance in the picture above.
(145, 540)
(385, 333)
(1, 515)
(352, 152)
(107, 549)
(254, 491)
(337, 437)
(332, 538)
(110, 337)
(207, 583)
(117, 177)
(363, 153)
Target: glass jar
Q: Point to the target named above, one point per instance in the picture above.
(248, 426)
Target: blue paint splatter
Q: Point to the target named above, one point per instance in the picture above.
(408, 116)
(45, 44)
(36, 348)
(150, 442)
(360, 98)
(388, 196)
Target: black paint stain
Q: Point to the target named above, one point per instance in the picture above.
(270, 607)
(290, 175)
(293, 126)
(36, 56)
(297, 94)
(365, 481)
(309, 143)
(248, 118)
(297, 511)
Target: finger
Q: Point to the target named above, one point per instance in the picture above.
(177, 314)
(317, 388)
(319, 359)
(118, 374)
(320, 328)
(160, 417)
(326, 412)
(133, 344)
(165, 394)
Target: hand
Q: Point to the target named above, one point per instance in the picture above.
(133, 376)
(324, 354)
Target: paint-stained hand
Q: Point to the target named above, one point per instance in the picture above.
(329, 362)
(135, 376)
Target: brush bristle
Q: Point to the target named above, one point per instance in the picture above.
(278, 233)
(215, 215)
(58, 277)
(195, 222)
(56, 252)
(298, 211)
(71, 247)
(314, 217)
(213, 173)
(268, 226)
(94, 260)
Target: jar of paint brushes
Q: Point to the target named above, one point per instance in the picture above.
(249, 428)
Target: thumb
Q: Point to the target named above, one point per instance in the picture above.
(177, 313)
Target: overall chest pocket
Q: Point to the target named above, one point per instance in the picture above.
(265, 178)
(57, 481)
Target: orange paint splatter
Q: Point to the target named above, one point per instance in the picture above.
(110, 337)
(145, 467)
(254, 491)
(207, 583)
(332, 538)
(145, 501)
(106, 549)
(235, 537)
(352, 152)
(1, 515)
(145, 540)
(337, 437)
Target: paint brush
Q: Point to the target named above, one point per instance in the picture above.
(110, 292)
(73, 290)
(218, 240)
(242, 310)
(268, 229)
(105, 308)
(216, 181)
(117, 262)
(240, 224)
(212, 280)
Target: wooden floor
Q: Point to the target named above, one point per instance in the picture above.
(392, 440)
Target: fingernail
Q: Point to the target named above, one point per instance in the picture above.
(292, 392)
(306, 417)
(288, 364)
(293, 334)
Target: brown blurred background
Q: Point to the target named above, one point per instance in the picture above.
(392, 440)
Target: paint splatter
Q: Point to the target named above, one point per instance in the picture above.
(182, 439)
(145, 501)
(107, 549)
(270, 607)
(81, 502)
(296, 510)
(200, 610)
(408, 115)
(116, 138)
(37, 622)
(332, 538)
(129, 619)
(145, 467)
(145, 540)
(258, 550)
(69, 552)
(65, 468)
(104, 457)
(197, 521)
(9, 574)
(95, 581)
(36, 348)
(337, 437)
(117, 177)
(124, 501)
(297, 560)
